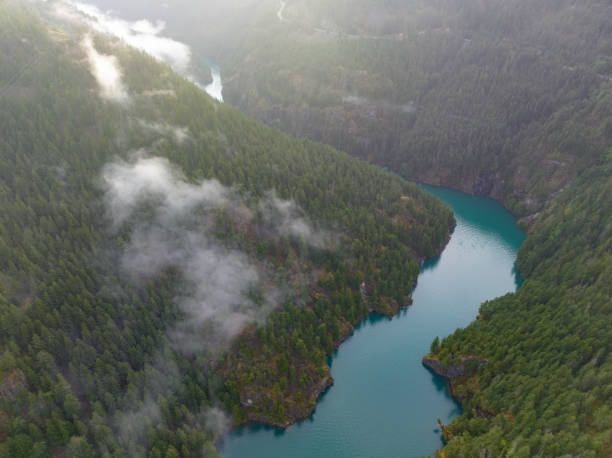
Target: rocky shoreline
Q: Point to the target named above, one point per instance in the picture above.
(466, 368)
(295, 413)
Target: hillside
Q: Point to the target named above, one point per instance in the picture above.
(127, 201)
(505, 99)
(545, 386)
(152, 239)
(510, 99)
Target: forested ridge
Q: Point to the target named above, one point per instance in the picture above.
(545, 386)
(89, 359)
(508, 99)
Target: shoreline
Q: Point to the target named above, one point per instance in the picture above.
(327, 381)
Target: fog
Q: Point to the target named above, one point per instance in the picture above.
(281, 10)
(288, 219)
(149, 34)
(209, 27)
(173, 223)
(180, 134)
(106, 71)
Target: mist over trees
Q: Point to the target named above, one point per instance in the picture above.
(120, 181)
(125, 218)
(511, 99)
(468, 94)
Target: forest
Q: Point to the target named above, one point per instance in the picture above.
(546, 384)
(104, 350)
(509, 99)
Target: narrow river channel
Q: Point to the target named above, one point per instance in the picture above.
(215, 89)
(384, 402)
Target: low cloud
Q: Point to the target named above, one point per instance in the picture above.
(106, 71)
(128, 185)
(218, 300)
(172, 225)
(142, 34)
(133, 425)
(141, 411)
(172, 222)
(217, 421)
(180, 134)
(288, 219)
(362, 102)
(160, 93)
(215, 301)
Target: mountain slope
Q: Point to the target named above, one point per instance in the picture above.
(546, 386)
(144, 227)
(505, 99)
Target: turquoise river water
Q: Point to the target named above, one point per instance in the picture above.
(384, 403)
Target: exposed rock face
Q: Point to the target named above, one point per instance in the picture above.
(364, 295)
(466, 368)
(490, 185)
(484, 414)
(483, 185)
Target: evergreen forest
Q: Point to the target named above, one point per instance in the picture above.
(91, 360)
(172, 266)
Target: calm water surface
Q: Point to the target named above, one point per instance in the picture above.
(384, 403)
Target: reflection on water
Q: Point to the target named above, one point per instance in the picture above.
(430, 264)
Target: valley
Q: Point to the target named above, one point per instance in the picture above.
(174, 272)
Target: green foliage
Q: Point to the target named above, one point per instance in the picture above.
(85, 364)
(509, 98)
(504, 98)
(547, 384)
(435, 346)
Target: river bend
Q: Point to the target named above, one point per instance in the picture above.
(384, 402)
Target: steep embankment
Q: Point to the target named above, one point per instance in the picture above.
(505, 99)
(509, 100)
(144, 226)
(538, 378)
(384, 403)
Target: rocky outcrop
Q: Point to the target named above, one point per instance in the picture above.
(466, 368)
(483, 185)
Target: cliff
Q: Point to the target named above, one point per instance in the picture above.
(467, 367)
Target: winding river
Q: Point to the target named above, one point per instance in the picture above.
(384, 402)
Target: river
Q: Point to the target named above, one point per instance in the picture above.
(384, 403)
(215, 89)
